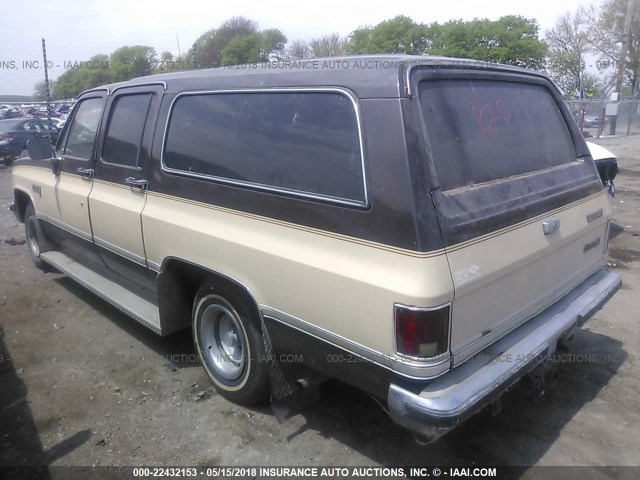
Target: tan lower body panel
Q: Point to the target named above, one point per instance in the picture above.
(62, 200)
(507, 277)
(337, 284)
(115, 215)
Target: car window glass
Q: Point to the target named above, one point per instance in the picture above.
(300, 142)
(125, 129)
(482, 130)
(82, 134)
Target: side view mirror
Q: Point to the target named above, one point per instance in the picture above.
(39, 148)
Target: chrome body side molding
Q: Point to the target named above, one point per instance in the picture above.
(406, 367)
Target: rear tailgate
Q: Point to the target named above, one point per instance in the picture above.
(520, 205)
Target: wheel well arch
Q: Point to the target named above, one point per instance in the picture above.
(179, 281)
(21, 199)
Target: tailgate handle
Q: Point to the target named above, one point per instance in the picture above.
(550, 226)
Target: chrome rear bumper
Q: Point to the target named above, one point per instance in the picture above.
(447, 401)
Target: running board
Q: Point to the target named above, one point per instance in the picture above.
(138, 308)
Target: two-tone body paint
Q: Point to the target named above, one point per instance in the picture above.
(61, 200)
(335, 271)
(342, 287)
(506, 277)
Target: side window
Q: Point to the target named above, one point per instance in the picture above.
(125, 130)
(31, 126)
(82, 134)
(304, 143)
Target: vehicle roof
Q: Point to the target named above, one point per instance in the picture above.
(9, 123)
(369, 76)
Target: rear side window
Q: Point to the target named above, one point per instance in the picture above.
(483, 130)
(125, 130)
(298, 142)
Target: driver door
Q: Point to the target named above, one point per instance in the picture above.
(75, 181)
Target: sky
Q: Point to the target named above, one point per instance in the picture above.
(76, 30)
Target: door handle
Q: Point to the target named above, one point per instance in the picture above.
(550, 226)
(138, 184)
(86, 172)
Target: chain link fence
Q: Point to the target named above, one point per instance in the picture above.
(594, 119)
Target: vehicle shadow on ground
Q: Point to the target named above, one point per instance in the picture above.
(518, 436)
(176, 348)
(20, 444)
(615, 230)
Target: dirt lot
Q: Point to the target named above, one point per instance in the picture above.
(81, 384)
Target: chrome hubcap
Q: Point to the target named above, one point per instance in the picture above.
(223, 342)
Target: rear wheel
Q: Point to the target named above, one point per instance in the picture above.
(36, 241)
(228, 337)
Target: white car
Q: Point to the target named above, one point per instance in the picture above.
(607, 164)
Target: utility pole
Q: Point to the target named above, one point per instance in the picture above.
(46, 84)
(626, 39)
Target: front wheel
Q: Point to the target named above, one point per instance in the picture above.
(228, 337)
(36, 241)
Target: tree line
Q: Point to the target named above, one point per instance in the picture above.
(563, 52)
(584, 50)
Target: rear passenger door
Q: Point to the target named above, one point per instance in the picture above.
(120, 185)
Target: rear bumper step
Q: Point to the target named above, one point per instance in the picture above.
(446, 402)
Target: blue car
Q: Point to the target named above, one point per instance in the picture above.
(14, 134)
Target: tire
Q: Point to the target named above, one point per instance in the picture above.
(228, 338)
(36, 241)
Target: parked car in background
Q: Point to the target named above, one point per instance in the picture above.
(64, 108)
(591, 119)
(607, 164)
(12, 113)
(57, 122)
(15, 133)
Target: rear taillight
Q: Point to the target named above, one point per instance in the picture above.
(422, 332)
(6, 136)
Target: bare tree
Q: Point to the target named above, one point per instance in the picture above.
(328, 46)
(569, 42)
(298, 50)
(40, 90)
(607, 36)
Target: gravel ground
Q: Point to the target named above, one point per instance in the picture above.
(81, 384)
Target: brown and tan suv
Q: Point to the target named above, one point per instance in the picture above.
(426, 229)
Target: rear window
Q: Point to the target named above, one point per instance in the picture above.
(299, 142)
(483, 130)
